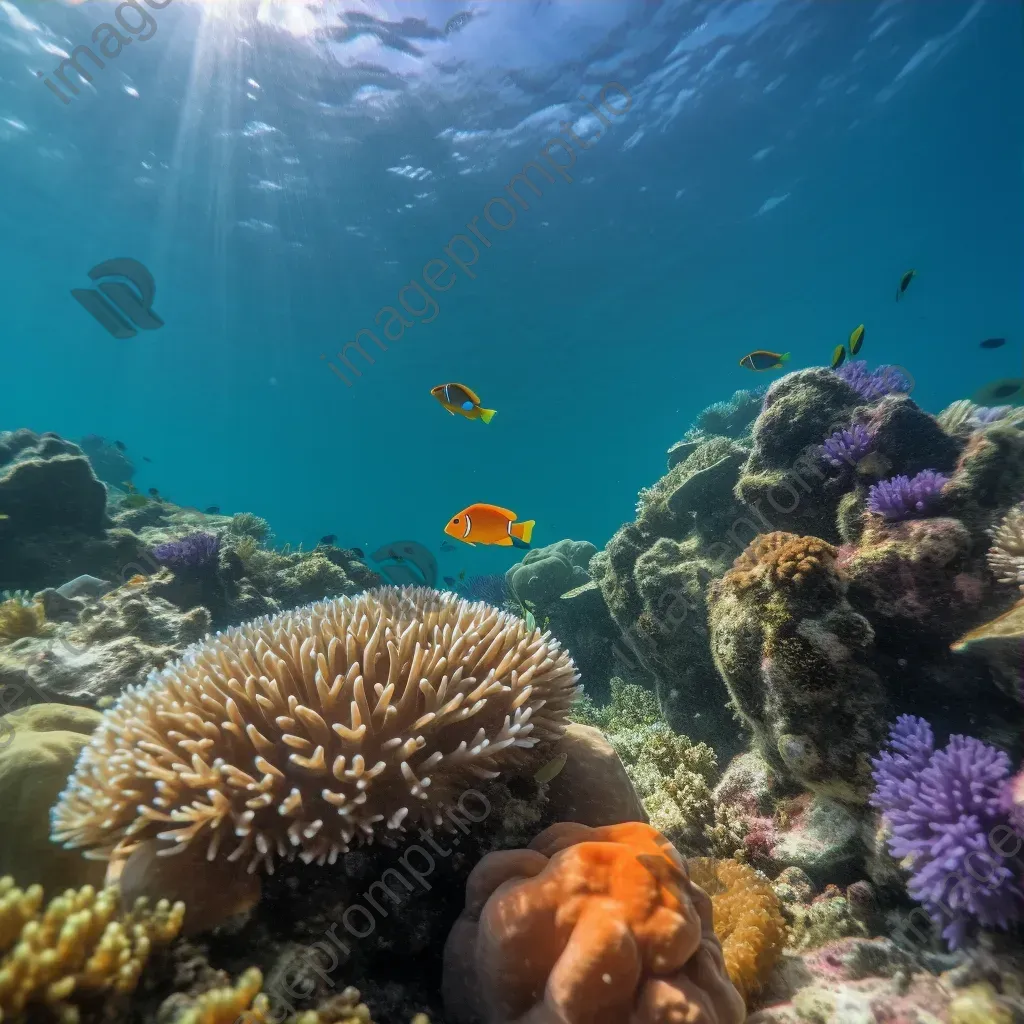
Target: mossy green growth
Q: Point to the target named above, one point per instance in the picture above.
(38, 749)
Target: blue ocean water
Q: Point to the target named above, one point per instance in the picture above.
(286, 169)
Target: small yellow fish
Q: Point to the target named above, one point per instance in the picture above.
(3, 515)
(856, 339)
(838, 357)
(551, 769)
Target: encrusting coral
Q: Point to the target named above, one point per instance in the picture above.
(587, 925)
(299, 734)
(75, 949)
(748, 920)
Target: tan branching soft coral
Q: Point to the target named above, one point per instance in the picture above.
(748, 919)
(244, 1003)
(74, 950)
(587, 926)
(300, 734)
(1006, 556)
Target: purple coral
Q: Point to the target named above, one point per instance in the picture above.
(876, 384)
(847, 447)
(903, 497)
(945, 813)
(194, 553)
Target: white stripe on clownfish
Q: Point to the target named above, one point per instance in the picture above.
(469, 526)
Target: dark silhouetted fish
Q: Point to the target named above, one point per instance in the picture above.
(328, 538)
(905, 283)
(120, 446)
(993, 343)
(212, 510)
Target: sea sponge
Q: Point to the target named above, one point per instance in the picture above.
(748, 919)
(38, 748)
(74, 950)
(355, 717)
(587, 926)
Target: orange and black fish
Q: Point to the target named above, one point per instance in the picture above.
(993, 343)
(905, 283)
(490, 524)
(762, 360)
(457, 398)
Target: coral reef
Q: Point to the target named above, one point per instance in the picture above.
(74, 950)
(873, 385)
(654, 575)
(786, 640)
(246, 524)
(732, 418)
(847, 447)
(944, 809)
(109, 463)
(38, 748)
(587, 924)
(873, 981)
(193, 554)
(110, 643)
(348, 711)
(747, 919)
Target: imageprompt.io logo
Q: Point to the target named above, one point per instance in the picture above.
(118, 307)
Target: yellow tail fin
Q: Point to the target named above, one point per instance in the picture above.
(487, 414)
(784, 358)
(524, 531)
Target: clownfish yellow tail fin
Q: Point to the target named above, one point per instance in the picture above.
(784, 358)
(487, 414)
(522, 532)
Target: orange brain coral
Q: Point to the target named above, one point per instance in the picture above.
(299, 734)
(747, 918)
(587, 926)
(782, 559)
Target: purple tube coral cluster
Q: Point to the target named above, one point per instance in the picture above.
(847, 447)
(902, 497)
(876, 384)
(986, 414)
(194, 553)
(946, 813)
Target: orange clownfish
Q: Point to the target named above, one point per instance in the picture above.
(457, 398)
(489, 524)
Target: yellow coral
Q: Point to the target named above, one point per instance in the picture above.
(245, 1003)
(748, 920)
(21, 617)
(75, 949)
